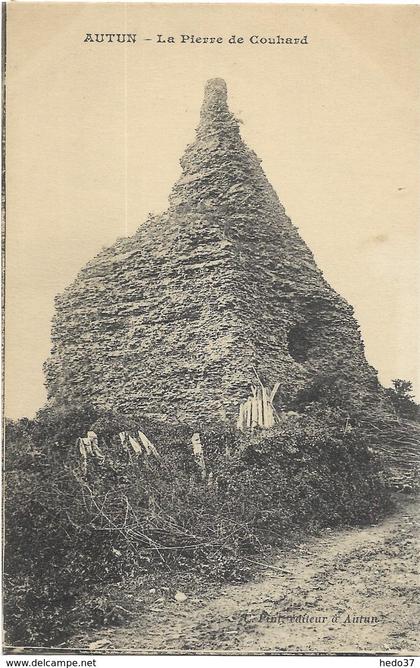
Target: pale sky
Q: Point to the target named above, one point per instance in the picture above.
(95, 133)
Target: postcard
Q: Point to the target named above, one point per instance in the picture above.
(211, 273)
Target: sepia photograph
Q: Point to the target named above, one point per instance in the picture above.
(211, 361)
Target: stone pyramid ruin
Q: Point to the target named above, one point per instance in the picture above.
(177, 320)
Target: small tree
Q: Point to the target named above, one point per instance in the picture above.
(402, 398)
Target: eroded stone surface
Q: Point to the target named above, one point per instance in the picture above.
(172, 320)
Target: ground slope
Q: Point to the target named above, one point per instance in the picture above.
(370, 573)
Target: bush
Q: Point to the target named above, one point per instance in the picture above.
(402, 398)
(70, 532)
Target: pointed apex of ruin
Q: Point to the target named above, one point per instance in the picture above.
(215, 93)
(215, 108)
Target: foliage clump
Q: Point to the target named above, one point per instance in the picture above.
(71, 534)
(401, 396)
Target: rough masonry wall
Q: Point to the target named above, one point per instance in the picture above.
(172, 320)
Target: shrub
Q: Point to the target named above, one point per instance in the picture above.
(69, 533)
(402, 398)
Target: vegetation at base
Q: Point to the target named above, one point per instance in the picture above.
(71, 536)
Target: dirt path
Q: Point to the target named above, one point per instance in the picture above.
(368, 574)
